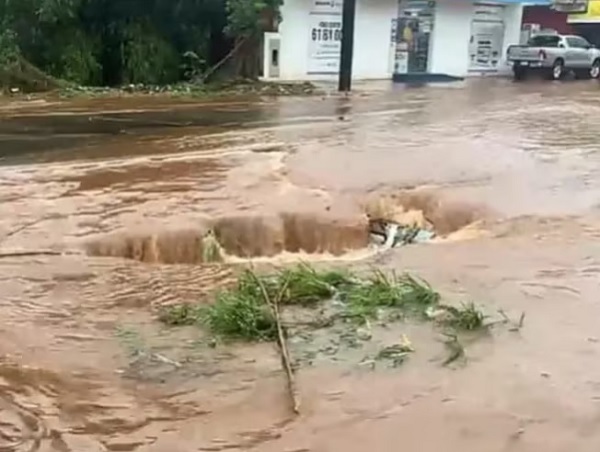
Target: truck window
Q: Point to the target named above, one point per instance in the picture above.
(544, 41)
(577, 42)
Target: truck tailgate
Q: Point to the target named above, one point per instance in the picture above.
(523, 53)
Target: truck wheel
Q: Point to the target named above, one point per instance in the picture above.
(595, 69)
(557, 71)
(519, 73)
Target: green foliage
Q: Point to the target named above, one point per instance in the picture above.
(9, 49)
(57, 11)
(75, 58)
(248, 17)
(306, 286)
(147, 57)
(467, 317)
(408, 294)
(244, 312)
(114, 41)
(192, 65)
(240, 315)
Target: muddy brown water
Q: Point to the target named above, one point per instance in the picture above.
(508, 173)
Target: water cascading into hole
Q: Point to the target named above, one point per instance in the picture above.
(238, 237)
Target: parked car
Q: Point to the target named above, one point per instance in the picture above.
(554, 55)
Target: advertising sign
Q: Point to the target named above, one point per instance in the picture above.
(570, 6)
(325, 36)
(590, 15)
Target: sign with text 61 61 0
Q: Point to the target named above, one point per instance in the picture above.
(325, 37)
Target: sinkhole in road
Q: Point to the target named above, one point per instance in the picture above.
(232, 238)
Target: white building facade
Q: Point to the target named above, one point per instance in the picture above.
(393, 38)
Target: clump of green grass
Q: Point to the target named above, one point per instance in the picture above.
(381, 291)
(240, 315)
(307, 286)
(466, 317)
(418, 295)
(243, 312)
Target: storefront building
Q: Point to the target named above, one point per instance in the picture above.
(308, 43)
(544, 18)
(579, 17)
(400, 39)
(587, 24)
(466, 38)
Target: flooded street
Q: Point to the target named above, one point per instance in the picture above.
(104, 205)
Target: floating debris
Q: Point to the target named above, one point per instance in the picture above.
(211, 249)
(391, 235)
(456, 350)
(396, 354)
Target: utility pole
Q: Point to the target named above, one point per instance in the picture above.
(347, 52)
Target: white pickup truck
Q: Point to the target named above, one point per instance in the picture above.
(555, 55)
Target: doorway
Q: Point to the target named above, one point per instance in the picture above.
(487, 38)
(414, 33)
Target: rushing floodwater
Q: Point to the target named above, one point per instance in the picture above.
(127, 189)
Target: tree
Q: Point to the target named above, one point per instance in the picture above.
(114, 42)
(247, 21)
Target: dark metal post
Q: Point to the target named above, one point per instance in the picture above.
(347, 52)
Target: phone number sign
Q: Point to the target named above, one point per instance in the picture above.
(325, 38)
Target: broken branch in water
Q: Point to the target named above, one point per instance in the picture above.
(281, 339)
(30, 254)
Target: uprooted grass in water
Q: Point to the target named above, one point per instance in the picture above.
(397, 353)
(456, 350)
(306, 286)
(410, 295)
(243, 312)
(239, 315)
(466, 317)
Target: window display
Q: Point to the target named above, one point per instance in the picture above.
(415, 28)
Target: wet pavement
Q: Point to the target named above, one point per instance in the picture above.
(125, 190)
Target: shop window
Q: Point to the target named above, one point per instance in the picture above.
(414, 34)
